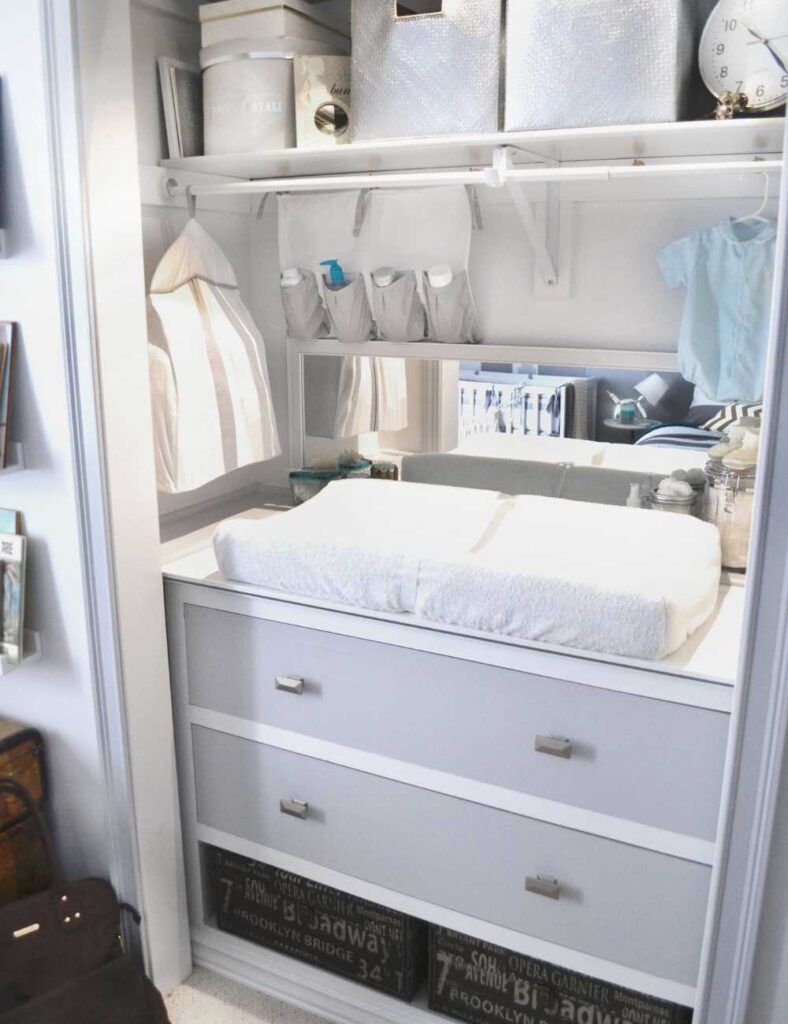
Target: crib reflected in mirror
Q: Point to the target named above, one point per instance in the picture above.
(510, 427)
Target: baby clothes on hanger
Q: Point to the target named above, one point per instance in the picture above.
(728, 272)
(212, 405)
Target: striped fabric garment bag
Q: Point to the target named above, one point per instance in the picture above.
(212, 404)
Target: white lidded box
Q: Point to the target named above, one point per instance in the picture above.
(248, 94)
(236, 19)
(426, 73)
(585, 63)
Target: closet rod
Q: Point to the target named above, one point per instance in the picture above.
(494, 177)
(337, 182)
(612, 173)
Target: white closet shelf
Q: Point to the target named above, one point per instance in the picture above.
(681, 140)
(32, 652)
(623, 359)
(15, 459)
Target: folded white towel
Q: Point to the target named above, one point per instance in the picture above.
(594, 577)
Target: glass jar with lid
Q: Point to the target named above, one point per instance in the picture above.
(728, 504)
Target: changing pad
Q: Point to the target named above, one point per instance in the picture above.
(595, 577)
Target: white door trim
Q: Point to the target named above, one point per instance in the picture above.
(760, 717)
(97, 206)
(88, 453)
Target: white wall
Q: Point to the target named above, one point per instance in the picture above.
(56, 693)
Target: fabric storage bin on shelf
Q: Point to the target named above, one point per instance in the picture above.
(249, 94)
(378, 947)
(600, 62)
(233, 19)
(430, 74)
(475, 981)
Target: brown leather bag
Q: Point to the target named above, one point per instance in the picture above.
(61, 955)
(23, 862)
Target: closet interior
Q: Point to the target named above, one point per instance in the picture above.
(457, 423)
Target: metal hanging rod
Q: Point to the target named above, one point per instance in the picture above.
(501, 173)
(334, 183)
(634, 171)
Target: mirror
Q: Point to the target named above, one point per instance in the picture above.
(513, 419)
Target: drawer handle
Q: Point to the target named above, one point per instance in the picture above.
(553, 745)
(295, 808)
(290, 684)
(544, 886)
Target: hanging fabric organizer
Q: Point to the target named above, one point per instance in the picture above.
(407, 231)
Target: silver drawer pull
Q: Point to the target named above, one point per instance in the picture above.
(543, 886)
(553, 745)
(295, 808)
(290, 684)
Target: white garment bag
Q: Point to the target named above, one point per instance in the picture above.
(212, 405)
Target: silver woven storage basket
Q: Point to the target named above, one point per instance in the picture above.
(583, 63)
(431, 74)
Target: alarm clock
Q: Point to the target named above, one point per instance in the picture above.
(744, 50)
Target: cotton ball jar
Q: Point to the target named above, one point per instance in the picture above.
(670, 487)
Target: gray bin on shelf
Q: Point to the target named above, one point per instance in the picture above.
(585, 63)
(430, 74)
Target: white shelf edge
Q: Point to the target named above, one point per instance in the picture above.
(32, 652)
(15, 458)
(742, 136)
(559, 355)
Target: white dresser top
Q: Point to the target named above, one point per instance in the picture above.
(711, 653)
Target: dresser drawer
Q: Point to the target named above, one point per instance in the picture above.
(639, 759)
(634, 907)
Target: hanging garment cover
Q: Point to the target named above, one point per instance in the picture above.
(212, 405)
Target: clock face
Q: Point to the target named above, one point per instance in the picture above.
(744, 48)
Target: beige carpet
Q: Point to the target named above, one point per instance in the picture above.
(207, 998)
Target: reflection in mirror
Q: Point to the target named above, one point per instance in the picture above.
(391, 409)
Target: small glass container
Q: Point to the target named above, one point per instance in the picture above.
(684, 504)
(728, 504)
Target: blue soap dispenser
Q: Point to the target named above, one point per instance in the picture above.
(336, 273)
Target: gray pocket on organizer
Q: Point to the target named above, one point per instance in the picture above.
(451, 316)
(348, 308)
(399, 312)
(305, 313)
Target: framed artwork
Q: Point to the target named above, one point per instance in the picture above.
(6, 353)
(181, 95)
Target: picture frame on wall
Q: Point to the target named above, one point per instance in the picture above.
(181, 95)
(7, 330)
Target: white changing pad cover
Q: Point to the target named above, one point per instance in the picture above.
(599, 578)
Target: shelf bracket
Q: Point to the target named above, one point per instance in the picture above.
(544, 241)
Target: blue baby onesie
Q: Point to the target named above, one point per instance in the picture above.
(728, 272)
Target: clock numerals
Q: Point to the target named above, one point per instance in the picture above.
(744, 50)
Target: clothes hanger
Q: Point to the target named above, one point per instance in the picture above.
(758, 214)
